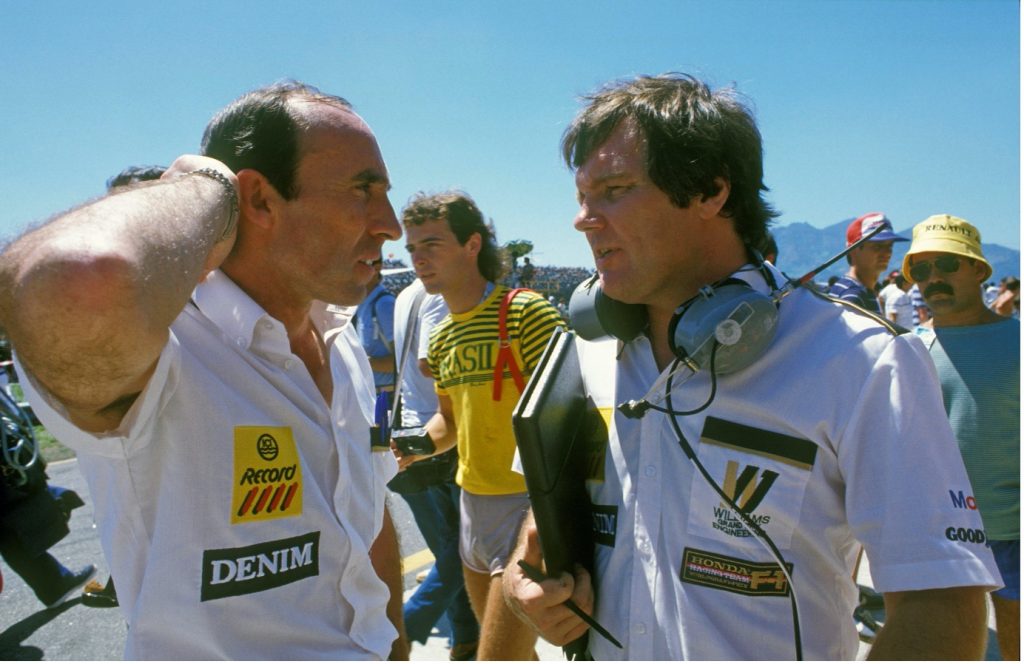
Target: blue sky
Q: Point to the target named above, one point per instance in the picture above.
(909, 107)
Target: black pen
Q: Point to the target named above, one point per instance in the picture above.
(537, 576)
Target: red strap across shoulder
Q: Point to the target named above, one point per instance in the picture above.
(505, 356)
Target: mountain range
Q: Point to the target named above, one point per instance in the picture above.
(803, 247)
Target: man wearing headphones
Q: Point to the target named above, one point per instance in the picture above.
(731, 532)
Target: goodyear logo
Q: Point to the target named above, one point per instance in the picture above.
(268, 475)
(713, 570)
(972, 535)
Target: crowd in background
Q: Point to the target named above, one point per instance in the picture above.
(554, 282)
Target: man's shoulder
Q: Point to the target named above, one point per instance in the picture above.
(847, 285)
(380, 294)
(999, 333)
(532, 301)
(829, 318)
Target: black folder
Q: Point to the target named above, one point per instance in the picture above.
(554, 435)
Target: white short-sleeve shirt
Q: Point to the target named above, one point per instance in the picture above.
(835, 438)
(236, 508)
(419, 400)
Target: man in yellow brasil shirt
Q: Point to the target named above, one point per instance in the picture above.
(478, 384)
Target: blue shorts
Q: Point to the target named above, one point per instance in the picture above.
(1007, 553)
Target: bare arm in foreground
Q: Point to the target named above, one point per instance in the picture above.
(88, 298)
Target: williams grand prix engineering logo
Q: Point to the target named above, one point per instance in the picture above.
(746, 488)
(763, 477)
(268, 475)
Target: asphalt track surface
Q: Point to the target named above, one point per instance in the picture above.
(29, 631)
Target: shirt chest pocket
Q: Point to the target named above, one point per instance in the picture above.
(763, 474)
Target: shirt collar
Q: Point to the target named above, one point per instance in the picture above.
(228, 307)
(751, 274)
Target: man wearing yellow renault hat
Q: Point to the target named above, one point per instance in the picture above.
(977, 355)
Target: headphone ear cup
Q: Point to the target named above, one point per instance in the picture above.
(741, 320)
(593, 315)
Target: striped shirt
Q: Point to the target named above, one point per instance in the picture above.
(463, 352)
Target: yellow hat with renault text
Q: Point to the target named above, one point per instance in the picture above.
(949, 234)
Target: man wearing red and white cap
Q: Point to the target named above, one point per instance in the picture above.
(866, 261)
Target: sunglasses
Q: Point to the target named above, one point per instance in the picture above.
(944, 264)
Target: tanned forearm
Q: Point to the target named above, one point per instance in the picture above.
(937, 624)
(387, 562)
(87, 299)
(442, 431)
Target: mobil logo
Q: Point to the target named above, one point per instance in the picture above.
(962, 502)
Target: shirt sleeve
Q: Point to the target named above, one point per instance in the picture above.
(434, 361)
(432, 311)
(135, 429)
(904, 477)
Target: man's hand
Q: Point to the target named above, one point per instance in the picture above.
(404, 460)
(190, 163)
(440, 428)
(542, 604)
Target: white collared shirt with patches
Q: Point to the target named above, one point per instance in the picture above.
(235, 507)
(834, 438)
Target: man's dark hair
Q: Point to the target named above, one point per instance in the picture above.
(135, 175)
(260, 130)
(464, 218)
(693, 135)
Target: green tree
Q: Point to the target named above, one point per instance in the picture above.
(516, 249)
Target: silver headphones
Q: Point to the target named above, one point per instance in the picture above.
(730, 312)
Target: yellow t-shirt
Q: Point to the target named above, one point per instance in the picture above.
(462, 355)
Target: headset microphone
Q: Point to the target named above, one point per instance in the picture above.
(634, 409)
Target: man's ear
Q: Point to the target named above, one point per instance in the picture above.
(257, 198)
(473, 244)
(980, 271)
(711, 206)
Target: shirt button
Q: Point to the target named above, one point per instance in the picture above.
(645, 547)
(639, 628)
(267, 325)
(650, 471)
(240, 341)
(288, 364)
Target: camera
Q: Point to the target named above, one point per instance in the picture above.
(413, 440)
